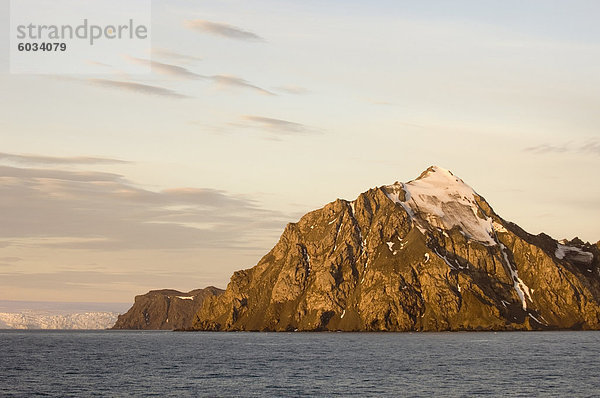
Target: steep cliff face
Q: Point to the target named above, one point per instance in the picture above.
(165, 309)
(428, 255)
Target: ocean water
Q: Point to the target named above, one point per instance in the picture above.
(132, 363)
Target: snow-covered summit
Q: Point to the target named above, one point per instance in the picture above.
(439, 199)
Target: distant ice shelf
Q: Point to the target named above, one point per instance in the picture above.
(44, 320)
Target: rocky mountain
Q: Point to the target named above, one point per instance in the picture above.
(165, 309)
(427, 255)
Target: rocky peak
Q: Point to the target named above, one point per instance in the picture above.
(429, 254)
(436, 169)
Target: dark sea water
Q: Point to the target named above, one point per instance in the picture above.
(122, 363)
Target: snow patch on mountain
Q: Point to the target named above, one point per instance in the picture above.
(438, 199)
(499, 227)
(393, 193)
(573, 253)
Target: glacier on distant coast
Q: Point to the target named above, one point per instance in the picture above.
(45, 320)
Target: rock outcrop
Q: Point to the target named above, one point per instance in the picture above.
(165, 309)
(428, 255)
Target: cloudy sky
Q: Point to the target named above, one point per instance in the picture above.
(257, 112)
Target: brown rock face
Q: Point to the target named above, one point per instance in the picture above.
(428, 255)
(165, 309)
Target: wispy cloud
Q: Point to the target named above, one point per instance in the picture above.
(276, 126)
(138, 88)
(234, 81)
(547, 148)
(91, 279)
(184, 73)
(67, 279)
(57, 174)
(167, 69)
(55, 160)
(174, 56)
(591, 147)
(221, 29)
(105, 211)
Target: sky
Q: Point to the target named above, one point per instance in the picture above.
(258, 112)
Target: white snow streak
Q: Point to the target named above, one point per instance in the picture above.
(444, 258)
(520, 286)
(537, 320)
